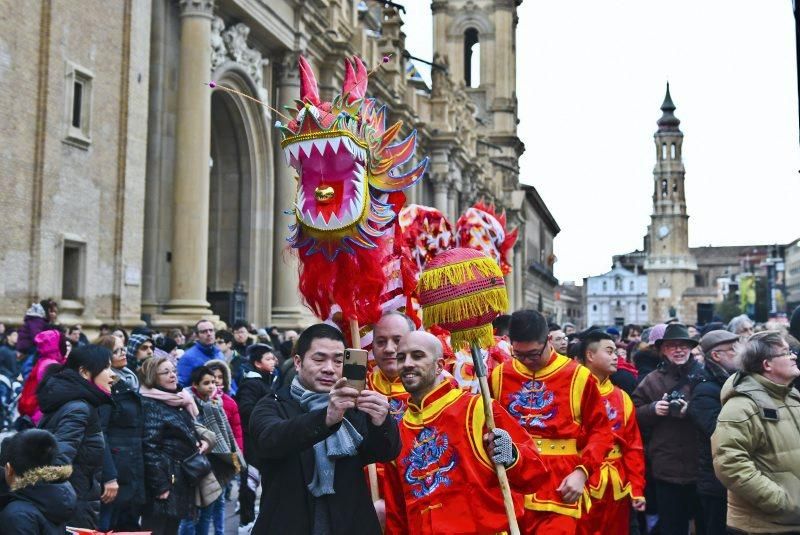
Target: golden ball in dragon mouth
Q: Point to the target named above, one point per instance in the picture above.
(323, 193)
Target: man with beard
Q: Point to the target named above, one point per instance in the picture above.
(557, 401)
(445, 480)
(662, 401)
(620, 481)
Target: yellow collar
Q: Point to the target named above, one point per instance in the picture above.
(438, 399)
(555, 363)
(386, 386)
(605, 387)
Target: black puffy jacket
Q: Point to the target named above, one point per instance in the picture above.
(70, 407)
(704, 410)
(123, 424)
(41, 503)
(252, 389)
(169, 438)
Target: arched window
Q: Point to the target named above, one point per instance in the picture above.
(594, 308)
(663, 151)
(664, 187)
(605, 286)
(630, 286)
(472, 58)
(672, 152)
(617, 284)
(644, 307)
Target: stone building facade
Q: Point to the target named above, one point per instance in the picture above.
(138, 191)
(618, 297)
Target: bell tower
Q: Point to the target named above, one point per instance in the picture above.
(670, 265)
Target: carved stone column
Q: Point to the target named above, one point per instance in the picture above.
(191, 190)
(440, 195)
(287, 310)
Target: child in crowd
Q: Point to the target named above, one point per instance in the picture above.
(224, 456)
(222, 378)
(41, 499)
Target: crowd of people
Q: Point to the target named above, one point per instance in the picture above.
(664, 429)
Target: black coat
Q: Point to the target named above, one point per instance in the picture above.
(123, 425)
(704, 410)
(169, 438)
(252, 389)
(42, 506)
(284, 436)
(70, 406)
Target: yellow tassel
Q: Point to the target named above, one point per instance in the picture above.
(464, 308)
(483, 336)
(454, 274)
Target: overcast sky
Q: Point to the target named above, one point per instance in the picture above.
(590, 85)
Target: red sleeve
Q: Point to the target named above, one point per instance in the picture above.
(596, 429)
(392, 490)
(232, 412)
(528, 473)
(633, 454)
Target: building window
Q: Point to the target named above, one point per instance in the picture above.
(594, 308)
(630, 286)
(644, 307)
(605, 286)
(617, 284)
(472, 58)
(617, 303)
(672, 152)
(78, 106)
(664, 187)
(663, 151)
(73, 270)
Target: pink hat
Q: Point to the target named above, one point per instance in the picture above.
(657, 333)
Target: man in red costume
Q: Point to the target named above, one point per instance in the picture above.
(620, 479)
(557, 401)
(444, 480)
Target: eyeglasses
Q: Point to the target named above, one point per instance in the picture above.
(560, 339)
(168, 372)
(789, 353)
(528, 355)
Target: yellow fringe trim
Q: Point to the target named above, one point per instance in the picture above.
(454, 274)
(483, 336)
(464, 308)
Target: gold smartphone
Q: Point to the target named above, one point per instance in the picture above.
(355, 368)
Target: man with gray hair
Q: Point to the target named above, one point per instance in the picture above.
(741, 326)
(756, 445)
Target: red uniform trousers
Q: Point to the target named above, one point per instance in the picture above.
(546, 523)
(607, 516)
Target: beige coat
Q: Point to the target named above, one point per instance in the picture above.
(756, 449)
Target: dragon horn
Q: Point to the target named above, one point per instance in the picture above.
(308, 83)
(349, 81)
(358, 88)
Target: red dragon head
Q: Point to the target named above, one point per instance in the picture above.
(483, 229)
(346, 165)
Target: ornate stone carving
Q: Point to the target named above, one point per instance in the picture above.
(196, 8)
(231, 44)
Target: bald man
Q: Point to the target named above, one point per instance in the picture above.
(444, 480)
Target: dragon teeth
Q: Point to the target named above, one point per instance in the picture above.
(334, 142)
(334, 221)
(306, 147)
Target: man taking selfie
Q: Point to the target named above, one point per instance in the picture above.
(313, 439)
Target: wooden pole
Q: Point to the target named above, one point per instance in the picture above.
(372, 471)
(502, 477)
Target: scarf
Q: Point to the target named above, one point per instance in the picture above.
(181, 398)
(125, 374)
(343, 443)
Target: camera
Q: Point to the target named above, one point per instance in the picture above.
(675, 405)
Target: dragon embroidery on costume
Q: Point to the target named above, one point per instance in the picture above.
(349, 191)
(428, 462)
(529, 404)
(397, 408)
(612, 414)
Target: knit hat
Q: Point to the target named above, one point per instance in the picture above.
(656, 333)
(36, 311)
(133, 346)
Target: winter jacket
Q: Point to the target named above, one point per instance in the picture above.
(123, 426)
(672, 444)
(31, 326)
(169, 437)
(41, 502)
(194, 357)
(646, 361)
(8, 361)
(756, 449)
(49, 348)
(284, 436)
(70, 405)
(254, 387)
(703, 411)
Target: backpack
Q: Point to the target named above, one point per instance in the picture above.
(28, 402)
